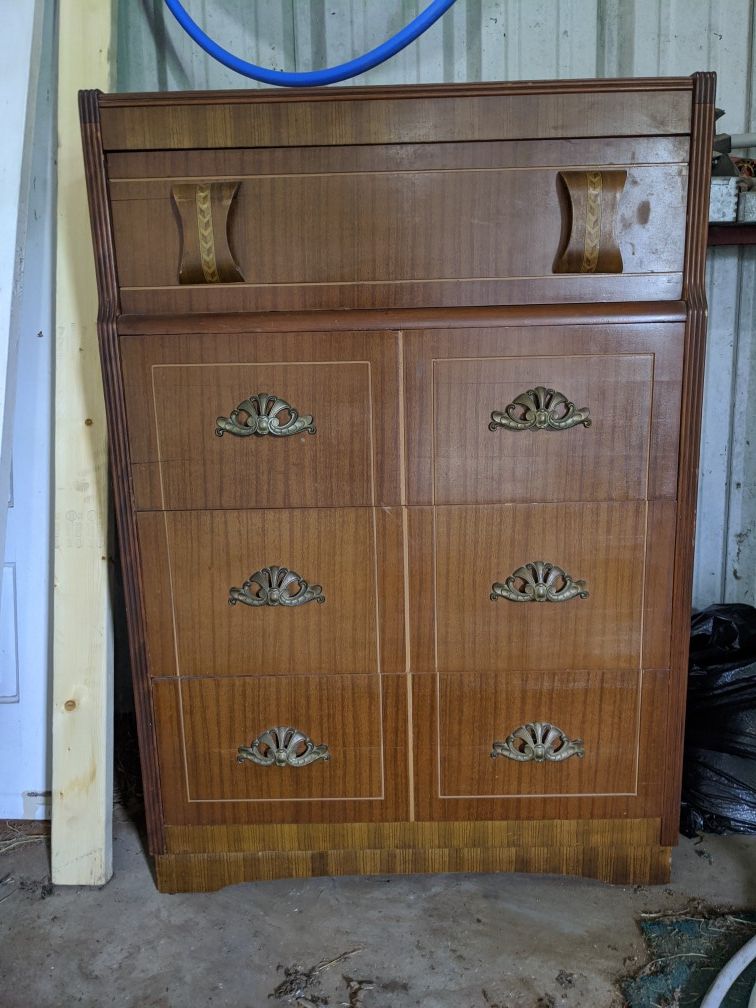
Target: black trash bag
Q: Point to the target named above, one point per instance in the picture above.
(719, 768)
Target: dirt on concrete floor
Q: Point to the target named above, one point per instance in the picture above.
(440, 941)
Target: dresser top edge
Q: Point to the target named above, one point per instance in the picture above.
(417, 113)
(394, 91)
(382, 319)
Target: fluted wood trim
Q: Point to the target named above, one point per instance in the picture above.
(107, 288)
(694, 293)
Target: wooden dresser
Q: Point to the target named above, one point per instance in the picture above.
(404, 389)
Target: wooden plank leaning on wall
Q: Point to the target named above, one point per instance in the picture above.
(82, 722)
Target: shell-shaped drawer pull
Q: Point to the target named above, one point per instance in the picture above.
(539, 581)
(276, 586)
(540, 408)
(262, 414)
(281, 747)
(538, 742)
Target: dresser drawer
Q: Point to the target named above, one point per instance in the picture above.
(399, 201)
(285, 738)
(557, 413)
(571, 733)
(261, 420)
(449, 226)
(541, 587)
(305, 590)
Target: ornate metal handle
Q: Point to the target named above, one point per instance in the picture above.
(539, 581)
(538, 742)
(540, 408)
(259, 415)
(273, 587)
(282, 747)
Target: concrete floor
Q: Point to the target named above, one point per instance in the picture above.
(444, 941)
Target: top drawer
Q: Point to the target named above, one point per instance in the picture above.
(485, 196)
(400, 225)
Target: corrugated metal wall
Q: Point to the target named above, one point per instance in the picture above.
(531, 39)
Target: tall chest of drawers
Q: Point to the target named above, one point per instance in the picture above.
(403, 388)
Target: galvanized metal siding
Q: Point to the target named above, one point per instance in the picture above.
(520, 40)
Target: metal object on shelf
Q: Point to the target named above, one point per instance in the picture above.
(723, 200)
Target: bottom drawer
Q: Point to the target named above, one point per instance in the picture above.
(228, 752)
(493, 743)
(614, 718)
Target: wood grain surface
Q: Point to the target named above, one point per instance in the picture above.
(643, 641)
(201, 722)
(619, 864)
(417, 114)
(191, 560)
(566, 288)
(628, 375)
(342, 712)
(623, 714)
(403, 835)
(176, 388)
(605, 460)
(601, 708)
(148, 165)
(602, 544)
(370, 320)
(400, 226)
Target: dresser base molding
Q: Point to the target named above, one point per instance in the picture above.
(206, 858)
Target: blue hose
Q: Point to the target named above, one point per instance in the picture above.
(312, 78)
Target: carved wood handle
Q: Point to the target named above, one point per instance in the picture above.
(203, 211)
(591, 204)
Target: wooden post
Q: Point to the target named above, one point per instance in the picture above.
(82, 721)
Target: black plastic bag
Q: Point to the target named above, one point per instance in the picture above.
(719, 770)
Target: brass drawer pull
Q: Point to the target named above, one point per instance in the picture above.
(271, 586)
(539, 581)
(540, 409)
(538, 742)
(282, 747)
(259, 415)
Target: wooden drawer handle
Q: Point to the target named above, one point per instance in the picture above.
(538, 742)
(203, 212)
(282, 747)
(539, 581)
(272, 586)
(258, 414)
(540, 408)
(590, 210)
